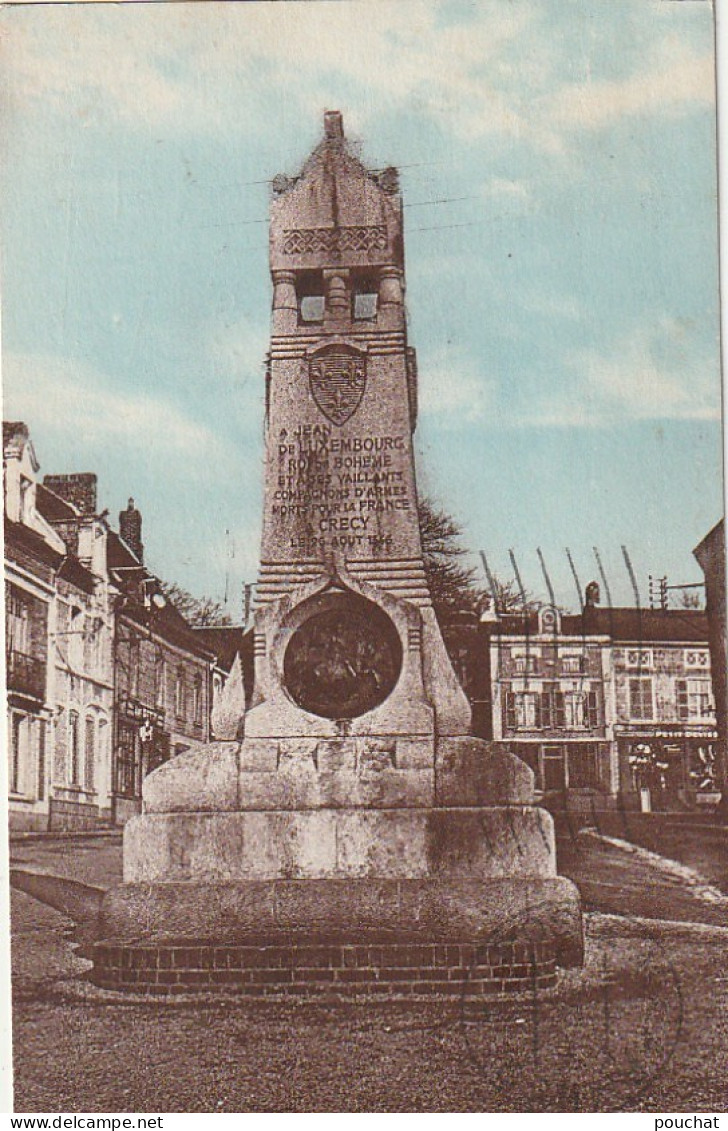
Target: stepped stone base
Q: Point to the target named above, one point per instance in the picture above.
(349, 912)
(401, 896)
(310, 967)
(319, 843)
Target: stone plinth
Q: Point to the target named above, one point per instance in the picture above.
(340, 843)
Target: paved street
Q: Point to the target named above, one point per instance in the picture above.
(644, 1026)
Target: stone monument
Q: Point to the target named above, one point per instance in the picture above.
(356, 817)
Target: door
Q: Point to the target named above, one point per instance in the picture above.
(553, 769)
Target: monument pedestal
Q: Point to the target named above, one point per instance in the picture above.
(404, 894)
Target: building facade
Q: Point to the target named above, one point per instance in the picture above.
(613, 707)
(105, 678)
(664, 710)
(551, 701)
(33, 554)
(163, 686)
(710, 554)
(81, 653)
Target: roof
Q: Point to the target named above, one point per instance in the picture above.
(31, 541)
(169, 624)
(226, 641)
(166, 621)
(620, 624)
(75, 573)
(52, 506)
(713, 541)
(120, 556)
(16, 438)
(13, 428)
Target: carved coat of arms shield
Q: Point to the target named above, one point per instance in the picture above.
(338, 377)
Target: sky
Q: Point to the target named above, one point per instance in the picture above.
(557, 163)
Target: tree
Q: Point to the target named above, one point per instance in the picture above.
(689, 599)
(202, 612)
(454, 586)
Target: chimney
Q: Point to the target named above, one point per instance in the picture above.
(333, 125)
(79, 490)
(130, 528)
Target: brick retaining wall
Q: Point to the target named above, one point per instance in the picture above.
(395, 969)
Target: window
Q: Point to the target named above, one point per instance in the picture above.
(525, 664)
(593, 714)
(89, 755)
(573, 665)
(365, 305)
(640, 698)
(553, 709)
(179, 693)
(581, 709)
(60, 751)
(73, 746)
(17, 624)
(528, 711)
(126, 760)
(15, 755)
(41, 759)
(311, 296)
(694, 698)
(197, 700)
(575, 710)
(134, 660)
(102, 746)
(312, 308)
(160, 683)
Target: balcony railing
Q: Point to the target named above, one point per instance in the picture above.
(26, 674)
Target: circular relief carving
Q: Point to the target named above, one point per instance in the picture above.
(344, 660)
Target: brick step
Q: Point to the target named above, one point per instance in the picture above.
(394, 969)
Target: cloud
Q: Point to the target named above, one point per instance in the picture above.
(238, 349)
(452, 390)
(653, 373)
(648, 376)
(215, 67)
(56, 394)
(502, 188)
(663, 89)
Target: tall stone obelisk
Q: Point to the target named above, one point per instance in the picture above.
(361, 651)
(357, 806)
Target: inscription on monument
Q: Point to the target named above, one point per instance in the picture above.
(331, 488)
